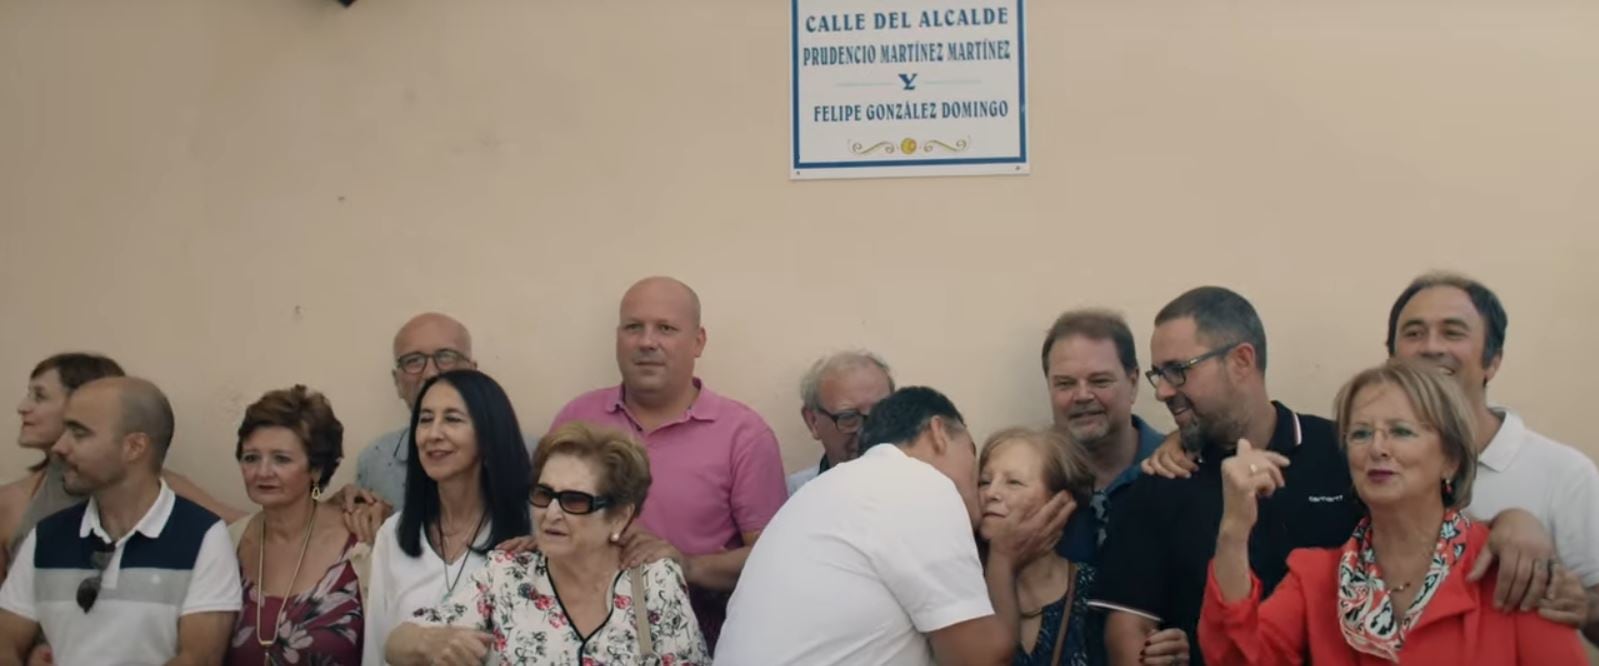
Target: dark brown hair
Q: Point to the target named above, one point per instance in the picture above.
(1094, 324)
(78, 368)
(1494, 319)
(309, 416)
(75, 369)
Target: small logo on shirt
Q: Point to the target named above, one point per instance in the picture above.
(1325, 499)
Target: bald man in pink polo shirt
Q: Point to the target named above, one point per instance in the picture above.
(717, 471)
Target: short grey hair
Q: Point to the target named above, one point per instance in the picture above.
(811, 385)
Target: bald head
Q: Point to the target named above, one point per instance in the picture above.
(428, 344)
(432, 328)
(658, 337)
(142, 409)
(666, 293)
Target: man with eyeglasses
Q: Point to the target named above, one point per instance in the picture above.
(1209, 355)
(717, 470)
(137, 575)
(837, 395)
(428, 344)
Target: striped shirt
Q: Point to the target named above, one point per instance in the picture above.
(176, 561)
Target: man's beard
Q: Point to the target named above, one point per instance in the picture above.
(1093, 441)
(1203, 430)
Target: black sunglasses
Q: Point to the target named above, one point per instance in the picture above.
(575, 502)
(89, 589)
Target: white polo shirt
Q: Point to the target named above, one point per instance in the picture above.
(176, 561)
(1521, 469)
(402, 585)
(857, 568)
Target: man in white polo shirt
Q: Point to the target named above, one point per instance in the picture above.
(876, 563)
(1457, 324)
(137, 575)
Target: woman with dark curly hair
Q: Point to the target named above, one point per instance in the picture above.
(299, 565)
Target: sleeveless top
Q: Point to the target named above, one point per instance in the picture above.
(51, 497)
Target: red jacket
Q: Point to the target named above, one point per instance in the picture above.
(1298, 624)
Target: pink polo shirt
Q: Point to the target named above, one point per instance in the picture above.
(717, 471)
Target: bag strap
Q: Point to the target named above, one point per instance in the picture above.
(641, 617)
(1065, 613)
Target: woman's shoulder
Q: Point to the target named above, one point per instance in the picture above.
(387, 537)
(22, 485)
(505, 559)
(241, 534)
(14, 499)
(664, 571)
(330, 525)
(1476, 540)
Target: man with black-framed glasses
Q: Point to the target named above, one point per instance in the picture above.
(837, 395)
(428, 344)
(137, 575)
(1208, 366)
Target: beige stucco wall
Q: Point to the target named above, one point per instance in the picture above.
(234, 196)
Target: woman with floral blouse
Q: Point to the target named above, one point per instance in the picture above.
(570, 601)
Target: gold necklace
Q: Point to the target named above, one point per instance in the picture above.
(260, 580)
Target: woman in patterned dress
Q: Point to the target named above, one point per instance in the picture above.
(302, 597)
(569, 602)
(1019, 471)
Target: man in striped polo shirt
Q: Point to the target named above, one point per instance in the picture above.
(137, 575)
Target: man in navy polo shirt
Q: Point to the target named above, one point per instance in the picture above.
(136, 575)
(1209, 367)
(1091, 369)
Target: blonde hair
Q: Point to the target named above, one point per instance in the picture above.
(620, 463)
(1064, 468)
(1440, 404)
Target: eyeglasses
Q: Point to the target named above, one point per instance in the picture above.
(89, 589)
(575, 502)
(1360, 434)
(444, 359)
(848, 421)
(1176, 374)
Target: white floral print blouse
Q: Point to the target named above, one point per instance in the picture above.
(513, 598)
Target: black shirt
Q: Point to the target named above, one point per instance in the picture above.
(1163, 531)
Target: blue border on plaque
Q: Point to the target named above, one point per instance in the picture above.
(1021, 98)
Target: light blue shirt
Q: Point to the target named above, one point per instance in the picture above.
(381, 467)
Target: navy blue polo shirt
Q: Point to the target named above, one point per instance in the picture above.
(1085, 532)
(1156, 557)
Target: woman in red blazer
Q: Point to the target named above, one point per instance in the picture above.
(1397, 591)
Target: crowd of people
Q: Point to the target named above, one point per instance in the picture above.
(652, 523)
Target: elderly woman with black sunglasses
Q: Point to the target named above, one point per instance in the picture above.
(570, 601)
